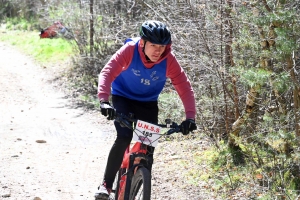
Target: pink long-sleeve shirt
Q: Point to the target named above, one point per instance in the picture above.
(121, 60)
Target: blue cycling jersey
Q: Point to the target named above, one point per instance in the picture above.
(138, 82)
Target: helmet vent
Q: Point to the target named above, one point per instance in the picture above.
(156, 32)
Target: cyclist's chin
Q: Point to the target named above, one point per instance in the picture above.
(154, 58)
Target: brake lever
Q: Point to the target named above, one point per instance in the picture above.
(171, 131)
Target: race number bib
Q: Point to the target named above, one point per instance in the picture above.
(146, 133)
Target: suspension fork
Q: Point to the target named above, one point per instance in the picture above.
(133, 157)
(130, 173)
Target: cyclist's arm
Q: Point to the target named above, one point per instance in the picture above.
(118, 63)
(182, 85)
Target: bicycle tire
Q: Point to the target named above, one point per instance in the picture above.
(141, 185)
(116, 185)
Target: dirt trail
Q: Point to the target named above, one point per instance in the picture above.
(70, 164)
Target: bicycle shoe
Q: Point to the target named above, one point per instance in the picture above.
(102, 193)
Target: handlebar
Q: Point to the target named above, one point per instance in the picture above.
(127, 120)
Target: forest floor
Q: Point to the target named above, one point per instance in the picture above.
(53, 149)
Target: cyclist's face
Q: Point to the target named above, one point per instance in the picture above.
(154, 51)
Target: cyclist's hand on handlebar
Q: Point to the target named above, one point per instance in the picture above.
(107, 110)
(187, 126)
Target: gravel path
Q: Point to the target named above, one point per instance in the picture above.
(48, 148)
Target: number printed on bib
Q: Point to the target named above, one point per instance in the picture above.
(146, 133)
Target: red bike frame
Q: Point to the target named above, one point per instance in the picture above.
(136, 156)
(136, 149)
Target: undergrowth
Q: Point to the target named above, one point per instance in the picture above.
(265, 174)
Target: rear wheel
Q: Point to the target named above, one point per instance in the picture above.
(141, 185)
(116, 185)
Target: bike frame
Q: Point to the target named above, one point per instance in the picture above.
(131, 162)
(135, 157)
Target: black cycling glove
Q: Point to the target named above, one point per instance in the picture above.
(107, 110)
(187, 126)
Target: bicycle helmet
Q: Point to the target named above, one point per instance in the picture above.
(155, 32)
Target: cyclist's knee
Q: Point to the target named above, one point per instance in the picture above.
(122, 141)
(123, 132)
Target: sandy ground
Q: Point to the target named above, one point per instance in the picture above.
(49, 149)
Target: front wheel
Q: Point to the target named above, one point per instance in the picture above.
(141, 185)
(116, 185)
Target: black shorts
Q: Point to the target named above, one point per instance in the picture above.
(143, 110)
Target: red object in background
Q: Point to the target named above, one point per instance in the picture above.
(52, 31)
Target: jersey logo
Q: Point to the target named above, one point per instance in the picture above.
(136, 72)
(154, 78)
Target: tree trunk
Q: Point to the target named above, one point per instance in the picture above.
(231, 113)
(238, 124)
(92, 29)
(296, 95)
(252, 93)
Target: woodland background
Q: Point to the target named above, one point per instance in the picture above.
(242, 58)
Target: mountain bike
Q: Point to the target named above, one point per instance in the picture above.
(133, 180)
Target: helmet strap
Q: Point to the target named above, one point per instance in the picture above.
(147, 58)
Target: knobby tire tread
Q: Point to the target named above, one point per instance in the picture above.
(143, 176)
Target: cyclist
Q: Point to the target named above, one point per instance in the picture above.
(135, 76)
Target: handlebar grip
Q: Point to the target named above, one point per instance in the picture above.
(171, 131)
(176, 129)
